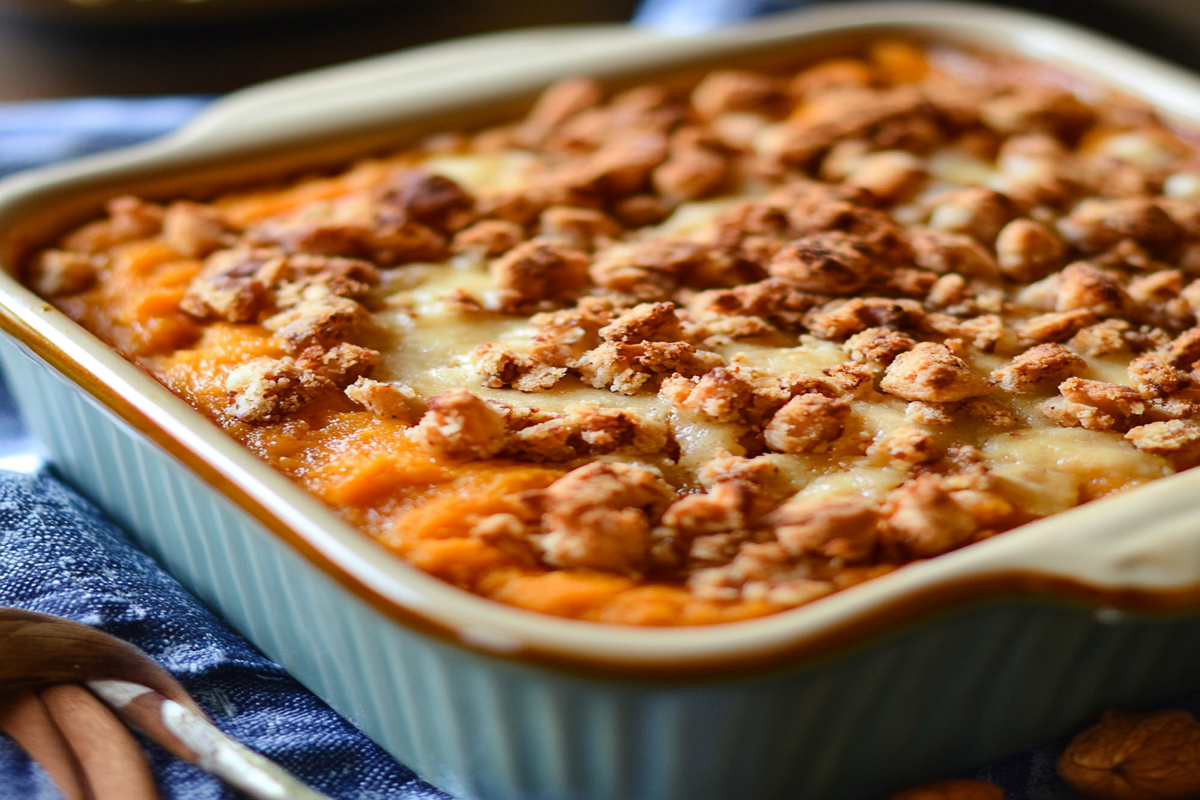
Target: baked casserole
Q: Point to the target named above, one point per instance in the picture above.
(680, 354)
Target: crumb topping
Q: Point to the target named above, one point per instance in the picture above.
(753, 341)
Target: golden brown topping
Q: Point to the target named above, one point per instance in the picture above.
(1152, 756)
(1096, 225)
(501, 368)
(129, 219)
(461, 424)
(943, 251)
(625, 368)
(831, 262)
(194, 230)
(600, 516)
(807, 423)
(891, 176)
(1103, 339)
(1027, 250)
(725, 507)
(1055, 326)
(1038, 366)
(323, 322)
(1095, 405)
(930, 372)
(556, 105)
(905, 447)
(924, 519)
(846, 528)
(727, 90)
(62, 272)
(1175, 438)
(383, 399)
(878, 346)
(534, 273)
(431, 199)
(649, 322)
(694, 168)
(1153, 376)
(582, 229)
(266, 389)
(491, 237)
(977, 212)
(1044, 109)
(840, 320)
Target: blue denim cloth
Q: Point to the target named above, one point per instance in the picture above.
(59, 555)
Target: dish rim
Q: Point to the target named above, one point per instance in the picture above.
(1040, 560)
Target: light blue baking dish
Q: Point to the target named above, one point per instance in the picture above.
(937, 667)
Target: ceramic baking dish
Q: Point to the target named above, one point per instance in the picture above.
(937, 667)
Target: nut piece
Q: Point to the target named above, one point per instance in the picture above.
(1151, 756)
(952, 789)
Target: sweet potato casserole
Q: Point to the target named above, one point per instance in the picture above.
(673, 355)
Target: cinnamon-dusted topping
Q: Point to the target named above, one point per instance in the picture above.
(931, 373)
(978, 212)
(840, 320)
(580, 229)
(129, 219)
(600, 516)
(1135, 756)
(1038, 366)
(727, 506)
(1057, 326)
(944, 251)
(557, 104)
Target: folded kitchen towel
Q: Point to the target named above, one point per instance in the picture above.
(59, 555)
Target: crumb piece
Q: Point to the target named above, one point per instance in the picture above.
(1095, 405)
(978, 212)
(431, 199)
(949, 252)
(830, 262)
(1027, 250)
(725, 507)
(840, 320)
(600, 516)
(892, 176)
(934, 415)
(924, 519)
(558, 103)
(904, 448)
(931, 373)
(265, 389)
(129, 219)
(1082, 286)
(1102, 339)
(194, 230)
(648, 322)
(760, 472)
(581, 229)
(534, 272)
(1038, 366)
(61, 272)
(491, 237)
(722, 91)
(1153, 376)
(323, 323)
(807, 423)
(501, 368)
(461, 424)
(1057, 326)
(388, 400)
(846, 528)
(626, 368)
(1096, 225)
(878, 346)
(1174, 438)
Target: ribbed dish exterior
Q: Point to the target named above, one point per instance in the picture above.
(954, 690)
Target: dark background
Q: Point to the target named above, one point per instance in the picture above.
(41, 58)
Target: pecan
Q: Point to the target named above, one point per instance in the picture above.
(1135, 757)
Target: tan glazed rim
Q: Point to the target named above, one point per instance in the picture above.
(1085, 555)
